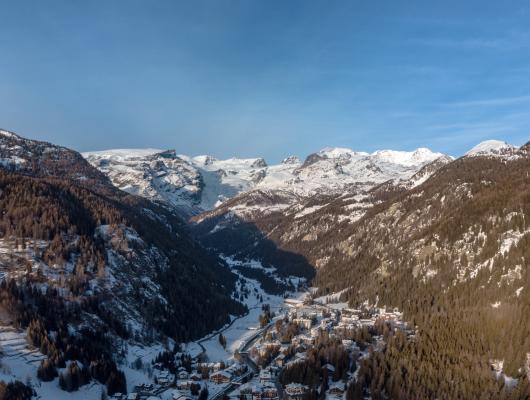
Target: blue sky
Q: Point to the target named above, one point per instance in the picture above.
(268, 78)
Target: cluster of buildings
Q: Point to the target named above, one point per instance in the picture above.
(184, 385)
(238, 381)
(259, 391)
(312, 320)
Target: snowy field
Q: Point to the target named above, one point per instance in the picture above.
(242, 328)
(20, 362)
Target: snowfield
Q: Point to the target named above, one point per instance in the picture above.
(240, 329)
(201, 183)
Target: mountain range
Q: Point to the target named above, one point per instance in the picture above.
(443, 239)
(130, 246)
(197, 184)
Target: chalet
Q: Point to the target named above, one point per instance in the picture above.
(184, 384)
(295, 391)
(220, 377)
(270, 392)
(272, 345)
(145, 389)
(183, 374)
(350, 320)
(212, 366)
(245, 392)
(236, 369)
(306, 339)
(163, 378)
(195, 377)
(293, 302)
(265, 376)
(303, 322)
(366, 322)
(176, 395)
(259, 392)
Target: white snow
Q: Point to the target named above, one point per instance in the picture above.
(240, 329)
(491, 148)
(120, 153)
(6, 133)
(203, 182)
(20, 362)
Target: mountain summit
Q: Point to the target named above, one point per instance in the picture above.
(201, 183)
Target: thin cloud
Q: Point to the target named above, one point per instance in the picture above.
(510, 40)
(499, 101)
(468, 43)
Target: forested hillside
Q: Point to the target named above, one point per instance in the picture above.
(82, 255)
(450, 252)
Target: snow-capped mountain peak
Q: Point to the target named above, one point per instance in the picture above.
(492, 148)
(119, 154)
(200, 183)
(339, 152)
(419, 156)
(3, 132)
(291, 160)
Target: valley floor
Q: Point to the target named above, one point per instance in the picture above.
(20, 362)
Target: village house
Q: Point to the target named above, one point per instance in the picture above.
(145, 390)
(195, 376)
(265, 376)
(273, 344)
(211, 366)
(258, 392)
(295, 391)
(293, 302)
(350, 320)
(236, 369)
(220, 377)
(270, 392)
(303, 322)
(164, 378)
(183, 375)
(245, 392)
(177, 395)
(184, 384)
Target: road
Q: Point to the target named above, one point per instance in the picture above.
(252, 367)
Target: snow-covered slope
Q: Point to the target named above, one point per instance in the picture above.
(154, 174)
(494, 148)
(201, 183)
